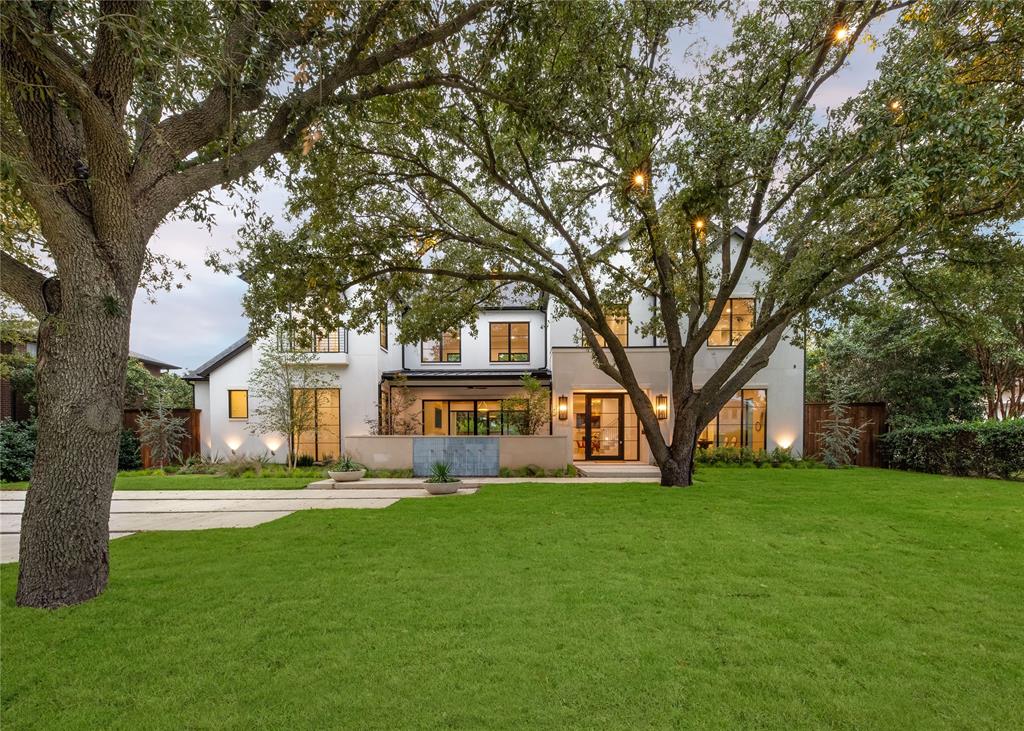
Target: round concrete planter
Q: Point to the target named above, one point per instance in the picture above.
(442, 488)
(350, 476)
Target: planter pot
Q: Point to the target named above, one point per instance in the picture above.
(350, 476)
(442, 488)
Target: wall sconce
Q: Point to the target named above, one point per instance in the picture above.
(563, 408)
(661, 407)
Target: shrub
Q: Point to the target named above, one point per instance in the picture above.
(304, 460)
(17, 450)
(982, 448)
(162, 433)
(441, 472)
(129, 456)
(345, 464)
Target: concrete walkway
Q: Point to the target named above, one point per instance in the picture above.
(143, 510)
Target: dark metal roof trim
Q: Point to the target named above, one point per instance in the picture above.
(452, 375)
(222, 357)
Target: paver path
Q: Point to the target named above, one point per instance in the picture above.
(134, 511)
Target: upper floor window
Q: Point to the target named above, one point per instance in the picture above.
(510, 342)
(238, 404)
(736, 322)
(303, 341)
(383, 333)
(620, 328)
(446, 350)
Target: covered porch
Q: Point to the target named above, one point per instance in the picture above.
(456, 403)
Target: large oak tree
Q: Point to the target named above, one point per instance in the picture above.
(583, 161)
(115, 115)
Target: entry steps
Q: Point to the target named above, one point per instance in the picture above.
(617, 469)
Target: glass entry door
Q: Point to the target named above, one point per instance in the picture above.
(604, 424)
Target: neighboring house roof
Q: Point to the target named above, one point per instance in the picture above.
(203, 372)
(146, 360)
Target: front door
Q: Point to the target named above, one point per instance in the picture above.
(603, 422)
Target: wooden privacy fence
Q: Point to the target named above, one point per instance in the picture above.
(871, 416)
(190, 442)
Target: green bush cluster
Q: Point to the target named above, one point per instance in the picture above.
(129, 455)
(747, 457)
(17, 449)
(980, 448)
(532, 470)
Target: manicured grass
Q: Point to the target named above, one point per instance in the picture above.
(774, 599)
(128, 481)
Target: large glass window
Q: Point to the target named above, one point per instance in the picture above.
(322, 440)
(736, 322)
(510, 342)
(446, 350)
(620, 328)
(481, 417)
(238, 404)
(740, 423)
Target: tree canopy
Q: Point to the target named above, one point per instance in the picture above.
(584, 161)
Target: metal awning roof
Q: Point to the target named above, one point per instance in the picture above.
(541, 374)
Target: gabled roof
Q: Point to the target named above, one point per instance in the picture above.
(203, 372)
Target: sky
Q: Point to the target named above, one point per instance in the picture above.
(188, 326)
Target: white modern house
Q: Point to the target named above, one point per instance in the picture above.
(461, 381)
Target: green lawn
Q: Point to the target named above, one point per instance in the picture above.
(766, 598)
(128, 481)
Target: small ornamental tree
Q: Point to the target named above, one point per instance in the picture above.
(398, 412)
(532, 405)
(586, 163)
(117, 114)
(283, 395)
(161, 433)
(840, 437)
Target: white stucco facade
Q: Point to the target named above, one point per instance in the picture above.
(475, 385)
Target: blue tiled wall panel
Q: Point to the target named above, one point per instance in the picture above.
(467, 456)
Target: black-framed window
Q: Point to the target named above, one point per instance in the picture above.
(620, 328)
(473, 417)
(383, 333)
(736, 322)
(742, 422)
(446, 350)
(293, 340)
(238, 403)
(510, 342)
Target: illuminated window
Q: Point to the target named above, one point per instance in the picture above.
(238, 404)
(480, 417)
(446, 350)
(510, 342)
(383, 333)
(740, 423)
(620, 327)
(320, 410)
(736, 322)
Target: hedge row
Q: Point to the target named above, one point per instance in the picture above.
(981, 448)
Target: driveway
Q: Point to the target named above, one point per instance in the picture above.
(134, 511)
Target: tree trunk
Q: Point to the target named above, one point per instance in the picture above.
(82, 356)
(677, 473)
(678, 469)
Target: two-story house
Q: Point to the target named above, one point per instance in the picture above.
(461, 383)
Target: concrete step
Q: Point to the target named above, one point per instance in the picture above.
(620, 470)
